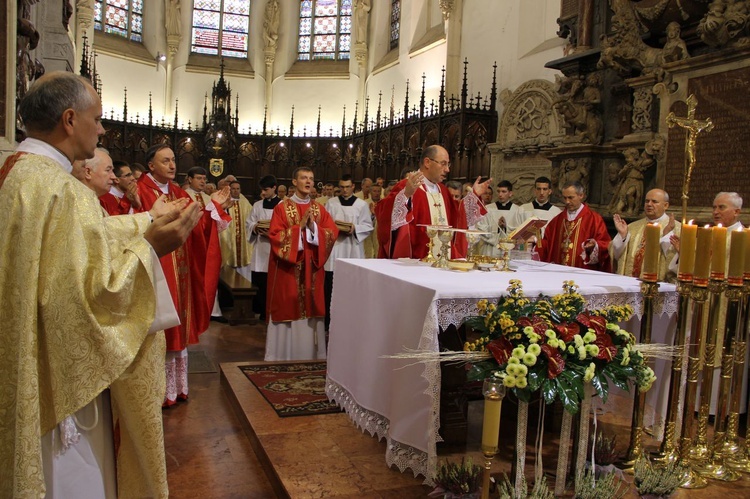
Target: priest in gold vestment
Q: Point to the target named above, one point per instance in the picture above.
(236, 249)
(628, 246)
(78, 299)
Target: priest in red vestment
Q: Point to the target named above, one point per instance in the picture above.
(577, 237)
(302, 235)
(192, 271)
(122, 197)
(422, 199)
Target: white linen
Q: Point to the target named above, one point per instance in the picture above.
(349, 245)
(262, 251)
(295, 340)
(400, 304)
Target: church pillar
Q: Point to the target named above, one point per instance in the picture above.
(171, 51)
(270, 60)
(361, 23)
(453, 17)
(8, 78)
(84, 27)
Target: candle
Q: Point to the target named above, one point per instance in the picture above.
(687, 252)
(491, 424)
(746, 233)
(702, 256)
(736, 257)
(650, 269)
(718, 252)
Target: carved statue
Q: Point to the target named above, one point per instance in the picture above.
(173, 18)
(625, 51)
(578, 104)
(628, 196)
(361, 19)
(27, 69)
(572, 170)
(271, 25)
(725, 23)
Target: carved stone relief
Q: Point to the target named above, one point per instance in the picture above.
(630, 180)
(578, 102)
(643, 98)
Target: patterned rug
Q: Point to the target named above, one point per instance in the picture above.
(293, 389)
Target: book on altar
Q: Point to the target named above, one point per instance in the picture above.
(530, 227)
(344, 226)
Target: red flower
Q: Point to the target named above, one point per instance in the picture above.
(584, 319)
(607, 349)
(567, 330)
(598, 324)
(555, 361)
(538, 323)
(500, 349)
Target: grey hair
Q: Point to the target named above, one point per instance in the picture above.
(453, 184)
(94, 162)
(576, 185)
(734, 198)
(42, 107)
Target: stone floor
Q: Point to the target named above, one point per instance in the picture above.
(213, 453)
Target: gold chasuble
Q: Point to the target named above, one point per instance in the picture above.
(235, 248)
(76, 313)
(630, 262)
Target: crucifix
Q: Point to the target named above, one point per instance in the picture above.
(692, 128)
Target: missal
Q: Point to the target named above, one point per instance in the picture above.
(529, 228)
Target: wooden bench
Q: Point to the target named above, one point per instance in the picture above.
(242, 292)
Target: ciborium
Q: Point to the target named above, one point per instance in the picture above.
(505, 245)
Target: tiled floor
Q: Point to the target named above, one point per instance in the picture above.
(210, 456)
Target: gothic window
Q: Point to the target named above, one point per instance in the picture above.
(120, 17)
(325, 28)
(220, 23)
(395, 22)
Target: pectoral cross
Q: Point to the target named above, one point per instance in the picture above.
(692, 128)
(437, 205)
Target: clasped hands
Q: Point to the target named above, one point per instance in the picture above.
(308, 220)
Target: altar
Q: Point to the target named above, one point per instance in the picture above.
(385, 307)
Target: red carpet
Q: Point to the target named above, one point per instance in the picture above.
(293, 389)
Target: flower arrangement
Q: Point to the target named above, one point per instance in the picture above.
(458, 479)
(554, 344)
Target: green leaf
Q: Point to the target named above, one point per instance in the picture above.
(601, 386)
(481, 370)
(476, 322)
(535, 379)
(524, 395)
(549, 390)
(568, 395)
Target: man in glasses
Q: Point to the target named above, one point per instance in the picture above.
(422, 199)
(122, 197)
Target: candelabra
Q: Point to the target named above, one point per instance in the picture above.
(736, 456)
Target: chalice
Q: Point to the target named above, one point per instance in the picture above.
(432, 231)
(505, 245)
(444, 235)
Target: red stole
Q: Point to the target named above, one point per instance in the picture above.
(296, 278)
(563, 240)
(114, 205)
(411, 240)
(192, 270)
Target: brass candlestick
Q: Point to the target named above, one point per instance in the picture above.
(635, 449)
(714, 466)
(698, 295)
(736, 455)
(494, 392)
(668, 451)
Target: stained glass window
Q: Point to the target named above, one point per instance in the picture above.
(325, 30)
(120, 17)
(220, 23)
(395, 23)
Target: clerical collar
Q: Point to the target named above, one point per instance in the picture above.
(236, 200)
(36, 146)
(501, 206)
(116, 192)
(430, 186)
(546, 206)
(347, 201)
(270, 204)
(573, 214)
(162, 187)
(657, 219)
(299, 200)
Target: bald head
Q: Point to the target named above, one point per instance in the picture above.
(656, 203)
(98, 172)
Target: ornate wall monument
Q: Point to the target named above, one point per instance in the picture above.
(628, 65)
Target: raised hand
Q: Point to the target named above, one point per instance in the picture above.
(221, 197)
(621, 225)
(170, 230)
(413, 181)
(481, 187)
(132, 195)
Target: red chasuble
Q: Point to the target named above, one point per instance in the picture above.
(114, 205)
(411, 240)
(563, 240)
(296, 278)
(192, 270)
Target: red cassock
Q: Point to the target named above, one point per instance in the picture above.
(192, 270)
(411, 240)
(114, 205)
(296, 278)
(563, 240)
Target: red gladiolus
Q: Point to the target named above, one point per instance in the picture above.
(555, 361)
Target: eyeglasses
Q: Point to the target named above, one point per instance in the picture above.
(444, 164)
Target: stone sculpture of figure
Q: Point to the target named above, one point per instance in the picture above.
(578, 105)
(675, 48)
(725, 23)
(362, 17)
(173, 18)
(572, 170)
(271, 25)
(628, 196)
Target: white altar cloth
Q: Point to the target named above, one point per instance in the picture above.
(383, 307)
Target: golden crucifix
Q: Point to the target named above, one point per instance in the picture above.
(692, 128)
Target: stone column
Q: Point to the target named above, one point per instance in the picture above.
(271, 22)
(453, 18)
(84, 26)
(585, 24)
(360, 32)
